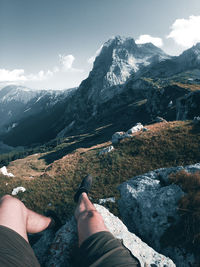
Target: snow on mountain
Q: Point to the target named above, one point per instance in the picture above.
(115, 81)
(17, 94)
(119, 58)
(18, 102)
(188, 60)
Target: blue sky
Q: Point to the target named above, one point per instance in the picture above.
(50, 43)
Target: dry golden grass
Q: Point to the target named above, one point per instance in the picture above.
(192, 87)
(29, 167)
(164, 145)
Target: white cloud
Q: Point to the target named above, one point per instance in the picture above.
(186, 32)
(18, 75)
(12, 75)
(67, 62)
(40, 76)
(145, 38)
(92, 59)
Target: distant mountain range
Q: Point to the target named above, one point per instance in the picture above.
(128, 83)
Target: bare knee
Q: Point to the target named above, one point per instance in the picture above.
(9, 198)
(11, 202)
(6, 198)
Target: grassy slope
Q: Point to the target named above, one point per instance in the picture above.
(164, 145)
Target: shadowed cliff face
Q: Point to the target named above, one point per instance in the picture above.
(188, 60)
(118, 60)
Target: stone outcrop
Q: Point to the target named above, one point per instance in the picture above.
(17, 190)
(135, 128)
(196, 120)
(163, 101)
(116, 137)
(106, 150)
(188, 106)
(57, 251)
(148, 206)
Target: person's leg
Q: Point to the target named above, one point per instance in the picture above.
(14, 215)
(88, 219)
(98, 247)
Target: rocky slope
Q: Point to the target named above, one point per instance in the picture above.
(124, 75)
(31, 116)
(148, 206)
(148, 202)
(57, 251)
(18, 102)
(118, 60)
(188, 60)
(188, 106)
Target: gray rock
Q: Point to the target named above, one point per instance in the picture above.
(106, 150)
(145, 129)
(196, 120)
(187, 107)
(121, 135)
(41, 248)
(117, 137)
(109, 199)
(135, 128)
(59, 252)
(145, 254)
(148, 206)
(162, 102)
(66, 239)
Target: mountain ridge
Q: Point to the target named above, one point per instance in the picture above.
(123, 73)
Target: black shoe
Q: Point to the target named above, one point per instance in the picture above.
(85, 186)
(55, 223)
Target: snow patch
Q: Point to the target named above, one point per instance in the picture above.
(5, 172)
(17, 190)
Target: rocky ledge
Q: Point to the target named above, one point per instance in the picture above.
(148, 206)
(57, 251)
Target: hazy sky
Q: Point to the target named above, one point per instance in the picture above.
(51, 43)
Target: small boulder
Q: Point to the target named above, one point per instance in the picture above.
(117, 137)
(58, 252)
(17, 190)
(135, 128)
(148, 206)
(104, 200)
(196, 120)
(145, 129)
(106, 150)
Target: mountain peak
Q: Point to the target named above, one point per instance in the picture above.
(119, 40)
(120, 57)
